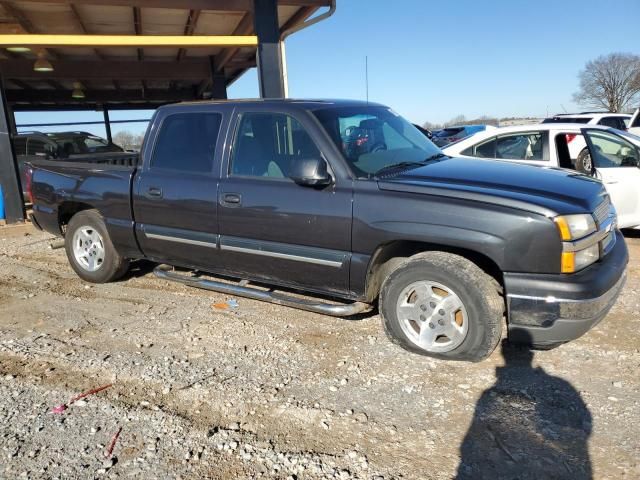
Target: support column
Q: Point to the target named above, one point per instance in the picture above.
(107, 123)
(269, 58)
(9, 173)
(218, 81)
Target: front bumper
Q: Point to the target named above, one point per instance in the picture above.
(546, 310)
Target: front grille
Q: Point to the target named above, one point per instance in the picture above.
(602, 211)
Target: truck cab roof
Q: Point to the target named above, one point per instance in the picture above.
(308, 104)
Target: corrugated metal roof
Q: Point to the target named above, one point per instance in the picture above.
(138, 17)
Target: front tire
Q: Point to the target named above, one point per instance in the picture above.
(442, 305)
(90, 251)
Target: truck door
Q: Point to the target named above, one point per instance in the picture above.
(175, 193)
(272, 228)
(617, 164)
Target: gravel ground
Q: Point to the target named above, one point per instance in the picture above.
(266, 391)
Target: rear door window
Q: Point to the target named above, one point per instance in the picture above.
(187, 142)
(520, 146)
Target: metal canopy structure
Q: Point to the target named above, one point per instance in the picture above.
(149, 73)
(134, 54)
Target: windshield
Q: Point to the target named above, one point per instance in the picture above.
(79, 144)
(372, 138)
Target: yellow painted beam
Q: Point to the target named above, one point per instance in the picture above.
(96, 41)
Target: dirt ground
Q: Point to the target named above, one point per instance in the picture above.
(267, 391)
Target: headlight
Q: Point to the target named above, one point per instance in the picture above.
(574, 227)
(576, 261)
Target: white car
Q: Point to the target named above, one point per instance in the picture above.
(613, 156)
(578, 149)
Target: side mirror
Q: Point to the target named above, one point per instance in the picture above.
(310, 172)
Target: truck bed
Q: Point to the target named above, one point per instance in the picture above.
(100, 182)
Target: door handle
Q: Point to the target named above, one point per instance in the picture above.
(154, 192)
(231, 199)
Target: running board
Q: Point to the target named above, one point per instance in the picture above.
(345, 310)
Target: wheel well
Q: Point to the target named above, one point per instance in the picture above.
(387, 257)
(67, 210)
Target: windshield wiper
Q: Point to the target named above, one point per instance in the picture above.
(436, 156)
(399, 165)
(403, 165)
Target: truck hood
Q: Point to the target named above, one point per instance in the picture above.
(547, 191)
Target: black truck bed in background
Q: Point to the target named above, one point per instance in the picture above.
(127, 159)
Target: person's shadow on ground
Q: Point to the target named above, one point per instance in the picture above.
(529, 425)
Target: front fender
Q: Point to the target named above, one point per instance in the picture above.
(514, 240)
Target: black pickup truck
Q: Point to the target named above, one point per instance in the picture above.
(281, 192)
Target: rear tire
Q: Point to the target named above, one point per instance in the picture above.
(442, 305)
(583, 162)
(90, 251)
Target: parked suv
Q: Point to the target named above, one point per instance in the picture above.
(607, 119)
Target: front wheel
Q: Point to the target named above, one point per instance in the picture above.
(90, 251)
(442, 305)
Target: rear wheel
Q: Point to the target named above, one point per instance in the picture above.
(442, 305)
(583, 162)
(90, 251)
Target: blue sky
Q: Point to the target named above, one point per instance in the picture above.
(435, 60)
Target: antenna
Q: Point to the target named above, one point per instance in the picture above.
(565, 110)
(366, 77)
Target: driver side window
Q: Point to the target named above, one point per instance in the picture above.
(610, 151)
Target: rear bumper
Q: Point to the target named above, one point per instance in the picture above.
(547, 310)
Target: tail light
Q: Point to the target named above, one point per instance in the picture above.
(570, 136)
(28, 186)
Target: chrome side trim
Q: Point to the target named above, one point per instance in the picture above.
(286, 256)
(334, 310)
(285, 251)
(180, 240)
(298, 253)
